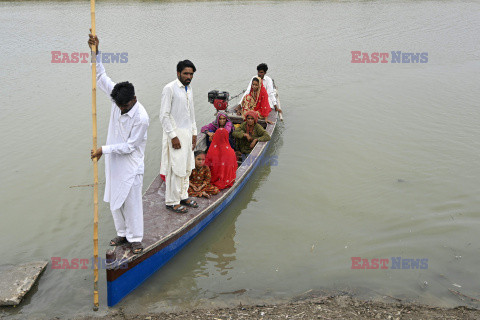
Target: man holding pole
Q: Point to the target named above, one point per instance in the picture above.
(124, 157)
(177, 115)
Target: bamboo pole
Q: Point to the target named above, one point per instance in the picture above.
(95, 163)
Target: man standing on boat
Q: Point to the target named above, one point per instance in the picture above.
(262, 69)
(177, 115)
(124, 157)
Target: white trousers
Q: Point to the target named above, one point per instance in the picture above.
(176, 188)
(128, 219)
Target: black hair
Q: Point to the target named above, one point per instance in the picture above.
(255, 79)
(262, 66)
(185, 64)
(198, 152)
(123, 93)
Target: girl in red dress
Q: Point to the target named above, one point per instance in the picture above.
(200, 178)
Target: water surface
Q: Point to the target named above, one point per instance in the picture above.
(374, 160)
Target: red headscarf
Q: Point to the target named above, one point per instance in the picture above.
(254, 114)
(222, 160)
(263, 106)
(257, 101)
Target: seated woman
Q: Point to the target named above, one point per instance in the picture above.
(249, 133)
(222, 160)
(221, 121)
(256, 99)
(200, 179)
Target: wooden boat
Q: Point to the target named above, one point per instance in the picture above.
(166, 232)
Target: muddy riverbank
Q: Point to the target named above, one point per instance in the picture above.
(325, 307)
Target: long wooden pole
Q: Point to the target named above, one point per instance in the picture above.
(95, 163)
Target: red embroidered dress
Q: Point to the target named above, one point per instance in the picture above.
(198, 178)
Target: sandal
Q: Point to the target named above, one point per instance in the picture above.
(118, 241)
(136, 247)
(189, 203)
(179, 209)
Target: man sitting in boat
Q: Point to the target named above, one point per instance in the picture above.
(177, 115)
(267, 82)
(124, 157)
(222, 121)
(256, 100)
(249, 133)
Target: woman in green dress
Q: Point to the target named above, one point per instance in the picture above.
(249, 133)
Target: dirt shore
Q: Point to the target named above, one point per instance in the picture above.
(328, 307)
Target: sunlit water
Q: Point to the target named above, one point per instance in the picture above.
(374, 160)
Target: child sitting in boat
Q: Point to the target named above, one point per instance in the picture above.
(200, 179)
(221, 121)
(222, 160)
(249, 133)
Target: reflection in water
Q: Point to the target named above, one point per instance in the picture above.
(222, 251)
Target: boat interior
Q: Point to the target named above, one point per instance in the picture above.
(236, 119)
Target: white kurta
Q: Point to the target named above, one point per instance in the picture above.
(177, 115)
(268, 84)
(125, 148)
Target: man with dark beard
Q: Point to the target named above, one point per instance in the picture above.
(177, 115)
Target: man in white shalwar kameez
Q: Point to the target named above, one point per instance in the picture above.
(124, 157)
(177, 115)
